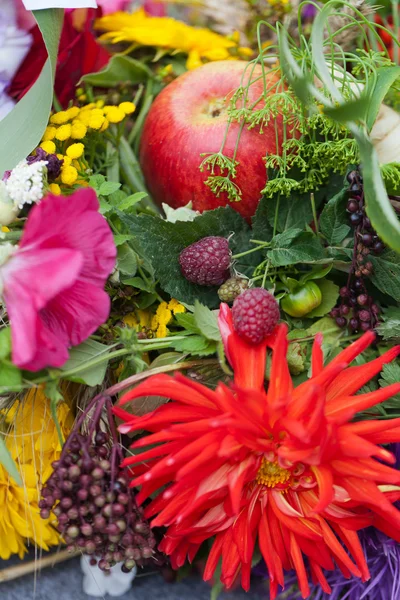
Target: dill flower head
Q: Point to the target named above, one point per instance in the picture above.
(25, 185)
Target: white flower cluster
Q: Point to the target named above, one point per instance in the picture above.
(25, 183)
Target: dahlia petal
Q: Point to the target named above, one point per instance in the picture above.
(247, 360)
(356, 446)
(366, 468)
(320, 577)
(213, 557)
(353, 350)
(299, 567)
(324, 479)
(202, 457)
(351, 380)
(337, 549)
(317, 356)
(270, 556)
(280, 381)
(348, 406)
(168, 387)
(352, 541)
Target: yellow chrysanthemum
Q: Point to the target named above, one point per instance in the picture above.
(78, 130)
(49, 134)
(75, 150)
(48, 147)
(165, 32)
(55, 189)
(63, 132)
(127, 107)
(69, 175)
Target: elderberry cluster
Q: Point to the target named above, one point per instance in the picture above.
(357, 308)
(95, 509)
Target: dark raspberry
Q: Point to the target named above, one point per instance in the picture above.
(207, 261)
(255, 314)
(232, 288)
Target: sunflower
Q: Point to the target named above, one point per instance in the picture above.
(288, 469)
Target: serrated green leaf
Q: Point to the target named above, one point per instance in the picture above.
(187, 321)
(120, 68)
(105, 207)
(207, 321)
(108, 187)
(389, 329)
(330, 294)
(390, 374)
(386, 273)
(195, 344)
(161, 243)
(138, 283)
(132, 200)
(5, 342)
(121, 238)
(96, 181)
(333, 221)
(305, 248)
(8, 463)
(80, 358)
(262, 229)
(126, 260)
(285, 239)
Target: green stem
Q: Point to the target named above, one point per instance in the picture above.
(256, 249)
(314, 212)
(11, 236)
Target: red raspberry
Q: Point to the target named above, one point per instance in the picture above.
(255, 314)
(207, 261)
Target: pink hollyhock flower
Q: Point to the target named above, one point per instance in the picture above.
(53, 283)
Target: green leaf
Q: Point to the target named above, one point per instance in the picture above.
(187, 321)
(121, 238)
(333, 221)
(262, 229)
(353, 110)
(96, 181)
(195, 344)
(132, 200)
(390, 328)
(126, 260)
(80, 359)
(5, 342)
(10, 375)
(22, 129)
(296, 357)
(304, 248)
(285, 239)
(386, 273)
(105, 207)
(121, 68)
(161, 243)
(108, 187)
(207, 321)
(8, 463)
(293, 212)
(138, 283)
(330, 294)
(385, 77)
(390, 374)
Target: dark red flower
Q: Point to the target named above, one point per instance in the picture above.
(79, 54)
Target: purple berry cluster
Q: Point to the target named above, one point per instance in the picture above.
(357, 308)
(95, 508)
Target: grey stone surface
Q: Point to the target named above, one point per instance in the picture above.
(64, 582)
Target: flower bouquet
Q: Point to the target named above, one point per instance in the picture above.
(200, 291)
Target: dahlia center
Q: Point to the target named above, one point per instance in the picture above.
(294, 476)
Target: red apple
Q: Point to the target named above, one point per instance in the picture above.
(189, 118)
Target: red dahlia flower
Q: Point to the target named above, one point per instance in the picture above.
(288, 469)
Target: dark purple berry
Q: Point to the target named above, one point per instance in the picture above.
(206, 262)
(344, 309)
(355, 218)
(364, 315)
(362, 299)
(352, 206)
(354, 323)
(367, 239)
(378, 247)
(365, 326)
(341, 322)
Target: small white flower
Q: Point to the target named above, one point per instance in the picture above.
(8, 210)
(25, 185)
(97, 583)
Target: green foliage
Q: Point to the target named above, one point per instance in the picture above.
(8, 463)
(389, 329)
(202, 331)
(161, 243)
(83, 366)
(120, 68)
(391, 374)
(293, 247)
(333, 221)
(330, 294)
(386, 273)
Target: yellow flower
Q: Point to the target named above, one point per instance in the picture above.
(5, 229)
(48, 147)
(72, 112)
(49, 134)
(245, 52)
(100, 103)
(115, 114)
(78, 130)
(96, 120)
(69, 175)
(176, 306)
(75, 150)
(84, 117)
(63, 132)
(67, 161)
(105, 125)
(161, 319)
(167, 33)
(59, 118)
(55, 189)
(127, 107)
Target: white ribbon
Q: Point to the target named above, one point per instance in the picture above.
(40, 4)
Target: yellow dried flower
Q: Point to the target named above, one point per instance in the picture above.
(55, 189)
(59, 118)
(49, 134)
(115, 115)
(78, 130)
(84, 117)
(96, 120)
(69, 175)
(127, 107)
(161, 319)
(63, 132)
(72, 112)
(67, 160)
(48, 147)
(176, 306)
(75, 150)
